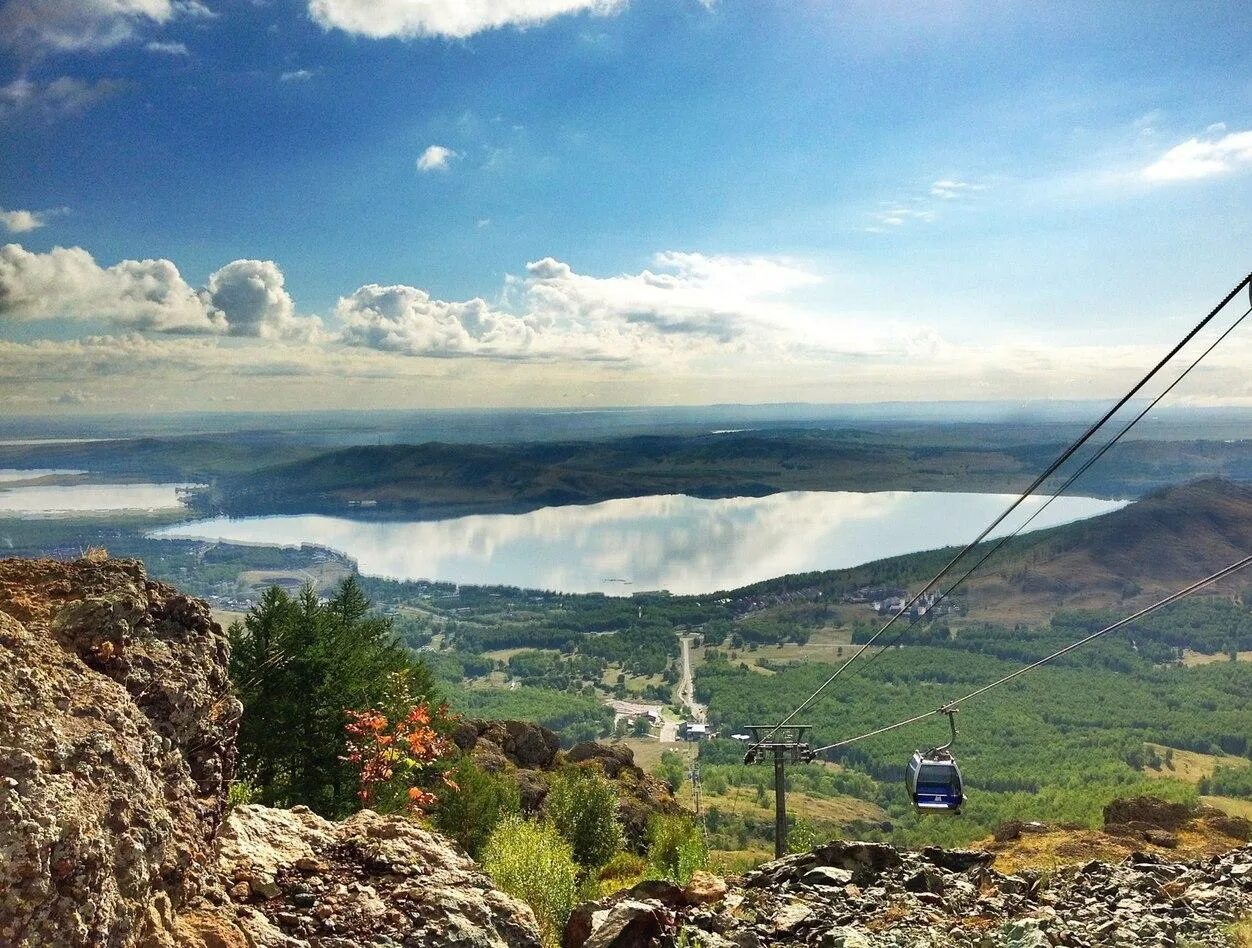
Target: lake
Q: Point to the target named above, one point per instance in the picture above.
(66, 500)
(683, 544)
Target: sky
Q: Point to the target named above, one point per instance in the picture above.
(295, 204)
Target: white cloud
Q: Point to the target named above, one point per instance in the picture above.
(435, 158)
(64, 95)
(296, 75)
(898, 216)
(249, 298)
(21, 222)
(405, 319)
(1219, 152)
(145, 294)
(452, 19)
(690, 304)
(949, 189)
(36, 26)
(168, 49)
(243, 298)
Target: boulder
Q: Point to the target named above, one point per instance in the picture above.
(117, 731)
(612, 758)
(368, 879)
(704, 889)
(629, 924)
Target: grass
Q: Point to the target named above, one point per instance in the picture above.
(1191, 659)
(1190, 766)
(226, 618)
(824, 645)
(648, 751)
(504, 654)
(1240, 933)
(322, 575)
(734, 862)
(822, 811)
(1232, 805)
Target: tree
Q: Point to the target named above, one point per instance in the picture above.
(582, 805)
(672, 769)
(472, 803)
(299, 665)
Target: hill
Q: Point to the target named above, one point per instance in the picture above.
(439, 480)
(1120, 560)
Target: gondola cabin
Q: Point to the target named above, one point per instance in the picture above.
(934, 782)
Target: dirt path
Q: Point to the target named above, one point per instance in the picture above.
(687, 684)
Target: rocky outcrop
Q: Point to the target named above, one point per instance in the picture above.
(869, 895)
(298, 880)
(1158, 822)
(117, 731)
(530, 754)
(117, 735)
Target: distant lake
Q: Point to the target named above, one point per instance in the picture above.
(673, 542)
(60, 501)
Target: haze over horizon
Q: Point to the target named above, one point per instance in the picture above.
(342, 204)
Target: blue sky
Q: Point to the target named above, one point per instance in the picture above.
(857, 200)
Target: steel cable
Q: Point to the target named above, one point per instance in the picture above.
(943, 709)
(1039, 480)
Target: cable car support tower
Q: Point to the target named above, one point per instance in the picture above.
(787, 743)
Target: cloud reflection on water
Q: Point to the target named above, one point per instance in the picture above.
(674, 542)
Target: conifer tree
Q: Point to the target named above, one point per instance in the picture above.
(299, 665)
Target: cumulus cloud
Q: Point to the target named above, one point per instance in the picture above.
(296, 75)
(687, 304)
(64, 95)
(243, 298)
(37, 26)
(145, 294)
(435, 158)
(1217, 153)
(687, 294)
(249, 298)
(452, 19)
(21, 222)
(407, 320)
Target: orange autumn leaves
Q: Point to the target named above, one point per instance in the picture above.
(396, 754)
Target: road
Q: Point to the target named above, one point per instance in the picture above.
(687, 684)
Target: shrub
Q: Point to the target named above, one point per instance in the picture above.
(671, 769)
(625, 866)
(801, 836)
(240, 793)
(532, 862)
(676, 848)
(471, 803)
(395, 748)
(582, 805)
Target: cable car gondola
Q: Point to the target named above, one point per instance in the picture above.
(933, 778)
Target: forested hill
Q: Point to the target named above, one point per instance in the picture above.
(1123, 559)
(439, 479)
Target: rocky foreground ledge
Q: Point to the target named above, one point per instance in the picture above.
(117, 745)
(869, 895)
(117, 730)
